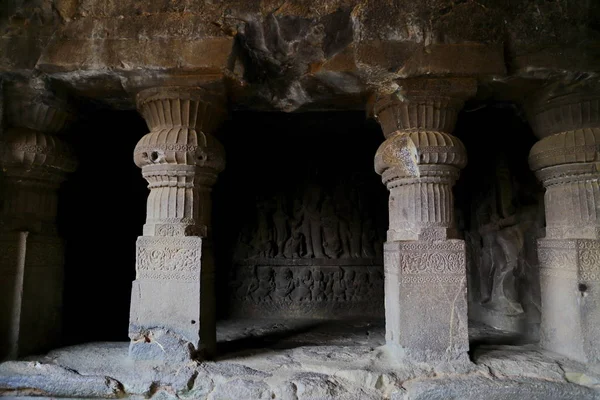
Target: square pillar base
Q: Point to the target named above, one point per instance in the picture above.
(426, 299)
(172, 312)
(570, 289)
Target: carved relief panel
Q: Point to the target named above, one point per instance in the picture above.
(301, 218)
(310, 251)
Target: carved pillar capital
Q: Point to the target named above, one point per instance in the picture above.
(566, 117)
(180, 155)
(564, 106)
(34, 160)
(422, 104)
(430, 155)
(420, 160)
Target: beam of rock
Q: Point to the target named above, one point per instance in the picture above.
(51, 380)
(478, 387)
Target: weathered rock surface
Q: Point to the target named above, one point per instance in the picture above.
(302, 360)
(485, 388)
(290, 55)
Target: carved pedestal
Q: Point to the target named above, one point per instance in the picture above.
(425, 276)
(34, 162)
(425, 288)
(567, 119)
(172, 303)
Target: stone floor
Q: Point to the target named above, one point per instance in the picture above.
(304, 360)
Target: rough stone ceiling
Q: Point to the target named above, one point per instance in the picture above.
(291, 55)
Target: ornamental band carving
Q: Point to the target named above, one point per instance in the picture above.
(302, 290)
(570, 259)
(169, 258)
(426, 262)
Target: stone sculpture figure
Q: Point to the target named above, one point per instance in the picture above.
(319, 286)
(363, 285)
(312, 222)
(369, 238)
(338, 286)
(344, 209)
(504, 293)
(331, 229)
(489, 249)
(295, 247)
(503, 244)
(284, 283)
(263, 239)
(349, 284)
(244, 248)
(280, 222)
(262, 290)
(303, 283)
(320, 224)
(357, 214)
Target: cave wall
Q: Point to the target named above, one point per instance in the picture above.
(101, 212)
(305, 235)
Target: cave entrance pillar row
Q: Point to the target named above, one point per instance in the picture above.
(172, 313)
(424, 258)
(34, 161)
(566, 117)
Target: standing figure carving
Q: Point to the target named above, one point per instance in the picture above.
(295, 247)
(263, 239)
(346, 212)
(350, 284)
(262, 289)
(284, 283)
(502, 235)
(280, 222)
(319, 286)
(338, 286)
(312, 222)
(303, 284)
(331, 229)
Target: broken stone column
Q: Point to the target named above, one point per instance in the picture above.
(424, 259)
(567, 120)
(172, 302)
(34, 162)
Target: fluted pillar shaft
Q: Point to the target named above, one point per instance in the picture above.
(425, 276)
(34, 162)
(172, 305)
(566, 117)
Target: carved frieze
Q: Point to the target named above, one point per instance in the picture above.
(308, 290)
(419, 262)
(570, 259)
(319, 223)
(169, 258)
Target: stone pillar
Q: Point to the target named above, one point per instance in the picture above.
(424, 259)
(566, 160)
(34, 162)
(172, 301)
